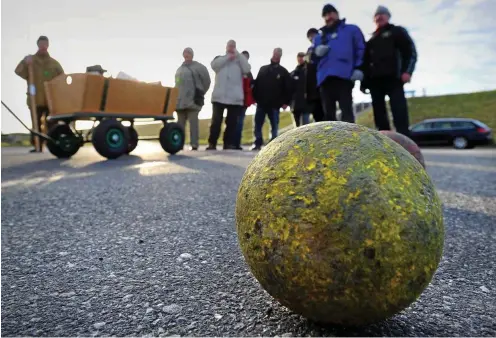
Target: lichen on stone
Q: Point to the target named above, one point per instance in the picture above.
(339, 223)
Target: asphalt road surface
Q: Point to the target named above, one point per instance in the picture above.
(146, 245)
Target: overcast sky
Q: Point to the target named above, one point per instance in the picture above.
(455, 39)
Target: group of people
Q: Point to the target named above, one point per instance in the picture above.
(325, 75)
(235, 90)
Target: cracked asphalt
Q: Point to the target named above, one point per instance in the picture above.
(146, 245)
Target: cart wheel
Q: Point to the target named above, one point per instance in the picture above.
(66, 142)
(172, 137)
(110, 139)
(133, 139)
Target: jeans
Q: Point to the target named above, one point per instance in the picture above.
(336, 89)
(301, 118)
(239, 127)
(315, 107)
(260, 113)
(393, 88)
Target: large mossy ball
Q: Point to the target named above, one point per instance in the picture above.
(406, 143)
(339, 223)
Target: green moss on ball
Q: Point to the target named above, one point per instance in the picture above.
(339, 223)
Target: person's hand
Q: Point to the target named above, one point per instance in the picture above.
(357, 75)
(321, 50)
(232, 56)
(28, 59)
(405, 77)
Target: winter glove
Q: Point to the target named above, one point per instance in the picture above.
(357, 75)
(321, 50)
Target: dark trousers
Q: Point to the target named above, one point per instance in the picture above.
(260, 113)
(41, 114)
(239, 127)
(315, 108)
(336, 89)
(393, 88)
(301, 117)
(233, 112)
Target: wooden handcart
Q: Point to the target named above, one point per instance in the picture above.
(108, 102)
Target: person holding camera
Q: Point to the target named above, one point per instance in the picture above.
(193, 81)
(228, 94)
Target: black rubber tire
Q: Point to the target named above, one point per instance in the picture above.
(133, 139)
(67, 144)
(172, 137)
(110, 139)
(460, 142)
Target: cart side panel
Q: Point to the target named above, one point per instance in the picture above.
(171, 101)
(67, 93)
(137, 98)
(93, 93)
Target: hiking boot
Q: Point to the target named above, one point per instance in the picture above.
(211, 147)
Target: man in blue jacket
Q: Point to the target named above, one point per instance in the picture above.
(338, 51)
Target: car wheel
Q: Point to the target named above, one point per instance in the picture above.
(460, 142)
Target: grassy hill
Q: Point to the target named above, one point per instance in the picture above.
(480, 106)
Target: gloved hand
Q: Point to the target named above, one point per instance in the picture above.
(321, 50)
(357, 75)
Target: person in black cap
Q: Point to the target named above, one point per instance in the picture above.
(389, 62)
(96, 69)
(312, 94)
(299, 105)
(338, 50)
(45, 68)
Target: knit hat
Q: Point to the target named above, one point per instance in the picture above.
(189, 50)
(95, 68)
(329, 9)
(312, 31)
(382, 10)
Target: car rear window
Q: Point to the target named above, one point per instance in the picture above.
(462, 125)
(480, 124)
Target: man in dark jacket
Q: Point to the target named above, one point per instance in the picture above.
(312, 94)
(338, 49)
(389, 62)
(299, 103)
(271, 90)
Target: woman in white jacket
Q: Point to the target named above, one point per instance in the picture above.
(227, 94)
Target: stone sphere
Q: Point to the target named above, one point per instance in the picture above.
(406, 143)
(339, 223)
